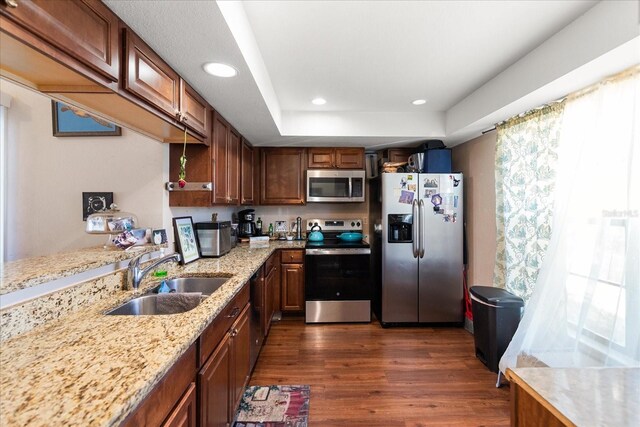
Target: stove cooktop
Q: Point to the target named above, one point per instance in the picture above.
(331, 228)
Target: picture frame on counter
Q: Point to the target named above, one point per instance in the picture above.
(185, 237)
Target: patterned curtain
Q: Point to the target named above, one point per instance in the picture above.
(526, 159)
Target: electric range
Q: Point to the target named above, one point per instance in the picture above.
(337, 274)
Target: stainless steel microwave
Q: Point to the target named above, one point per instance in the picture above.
(335, 185)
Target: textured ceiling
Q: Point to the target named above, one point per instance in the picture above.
(369, 59)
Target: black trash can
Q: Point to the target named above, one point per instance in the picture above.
(496, 315)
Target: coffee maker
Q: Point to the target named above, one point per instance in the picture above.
(246, 223)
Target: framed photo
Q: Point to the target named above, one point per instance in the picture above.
(159, 236)
(93, 202)
(72, 121)
(186, 241)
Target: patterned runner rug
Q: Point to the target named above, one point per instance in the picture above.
(274, 406)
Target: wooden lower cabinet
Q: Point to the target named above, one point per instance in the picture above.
(184, 414)
(240, 360)
(292, 281)
(292, 288)
(222, 379)
(272, 287)
(213, 385)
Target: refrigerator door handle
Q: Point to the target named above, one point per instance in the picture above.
(416, 225)
(422, 228)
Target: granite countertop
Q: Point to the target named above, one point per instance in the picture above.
(587, 396)
(88, 369)
(28, 272)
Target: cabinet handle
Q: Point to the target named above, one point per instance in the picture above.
(234, 313)
(11, 3)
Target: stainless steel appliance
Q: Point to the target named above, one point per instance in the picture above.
(257, 312)
(337, 285)
(214, 238)
(421, 244)
(335, 185)
(246, 223)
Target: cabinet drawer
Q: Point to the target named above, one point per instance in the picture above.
(213, 333)
(291, 257)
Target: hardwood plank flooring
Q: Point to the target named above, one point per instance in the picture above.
(364, 375)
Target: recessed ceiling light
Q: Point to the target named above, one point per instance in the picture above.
(219, 69)
(419, 102)
(319, 101)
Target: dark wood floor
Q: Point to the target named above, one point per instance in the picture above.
(364, 375)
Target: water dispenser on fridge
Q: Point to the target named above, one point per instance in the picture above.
(400, 228)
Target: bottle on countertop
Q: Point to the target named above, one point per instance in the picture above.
(270, 229)
(259, 227)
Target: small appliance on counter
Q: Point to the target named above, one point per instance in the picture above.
(246, 223)
(214, 238)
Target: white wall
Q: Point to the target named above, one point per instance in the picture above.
(47, 175)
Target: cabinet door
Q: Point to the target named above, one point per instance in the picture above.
(292, 285)
(350, 158)
(233, 167)
(85, 29)
(148, 77)
(241, 360)
(220, 145)
(320, 158)
(184, 414)
(400, 154)
(213, 384)
(195, 110)
(247, 187)
(282, 176)
(198, 170)
(269, 300)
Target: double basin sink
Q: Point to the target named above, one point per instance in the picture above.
(155, 304)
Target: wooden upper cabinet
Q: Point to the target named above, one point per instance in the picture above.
(198, 170)
(226, 162)
(148, 77)
(350, 158)
(282, 176)
(84, 29)
(220, 143)
(335, 158)
(321, 158)
(195, 111)
(233, 167)
(247, 176)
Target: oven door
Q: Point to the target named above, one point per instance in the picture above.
(337, 274)
(335, 186)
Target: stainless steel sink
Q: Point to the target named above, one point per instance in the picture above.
(171, 304)
(206, 285)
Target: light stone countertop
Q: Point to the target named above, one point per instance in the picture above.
(29, 272)
(588, 396)
(88, 369)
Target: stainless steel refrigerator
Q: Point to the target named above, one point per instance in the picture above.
(421, 244)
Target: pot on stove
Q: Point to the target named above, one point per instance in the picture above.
(316, 236)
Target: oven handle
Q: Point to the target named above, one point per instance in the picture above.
(354, 251)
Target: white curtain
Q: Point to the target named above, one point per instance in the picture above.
(585, 308)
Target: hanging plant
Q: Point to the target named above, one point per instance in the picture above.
(182, 176)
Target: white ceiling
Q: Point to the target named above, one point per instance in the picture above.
(370, 59)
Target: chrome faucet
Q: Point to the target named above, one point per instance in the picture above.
(135, 274)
